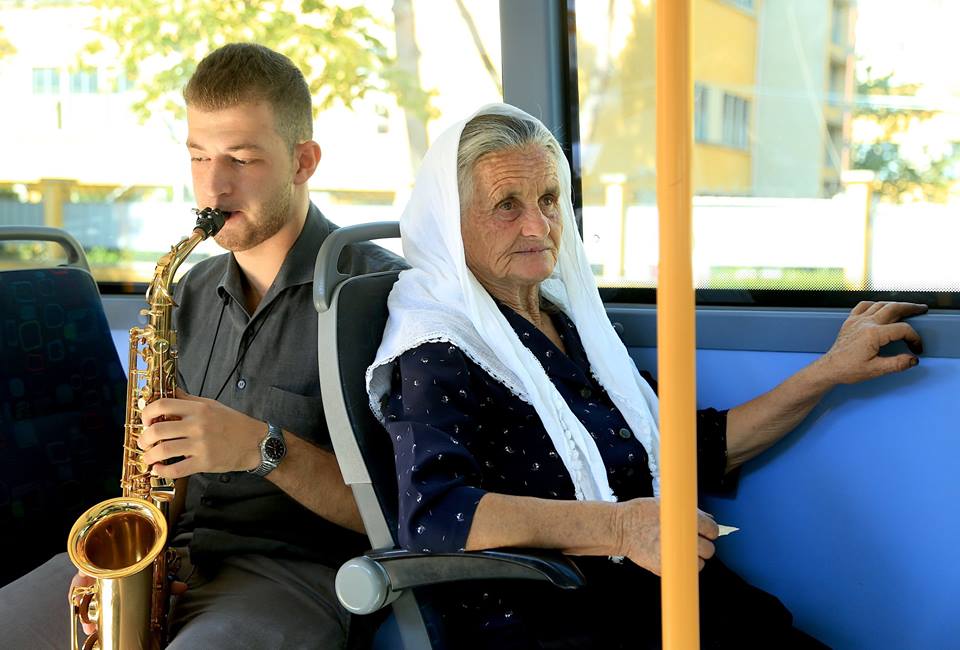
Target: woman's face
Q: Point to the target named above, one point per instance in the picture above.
(511, 228)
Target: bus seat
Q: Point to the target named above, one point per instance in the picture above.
(62, 400)
(352, 314)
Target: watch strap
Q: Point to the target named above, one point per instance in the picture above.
(268, 464)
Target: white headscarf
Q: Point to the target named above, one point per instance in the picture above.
(439, 299)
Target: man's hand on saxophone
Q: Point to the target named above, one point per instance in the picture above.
(209, 437)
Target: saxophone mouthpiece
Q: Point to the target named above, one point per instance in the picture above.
(210, 221)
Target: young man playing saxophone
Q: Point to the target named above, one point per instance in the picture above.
(267, 518)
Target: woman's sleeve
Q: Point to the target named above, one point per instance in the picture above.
(711, 446)
(712, 451)
(429, 416)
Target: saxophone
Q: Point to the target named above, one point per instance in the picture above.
(122, 542)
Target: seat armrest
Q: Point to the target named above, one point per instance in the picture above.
(367, 583)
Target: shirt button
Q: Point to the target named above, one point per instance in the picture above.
(241, 383)
(586, 393)
(625, 433)
(224, 478)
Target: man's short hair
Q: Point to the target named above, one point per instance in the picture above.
(240, 73)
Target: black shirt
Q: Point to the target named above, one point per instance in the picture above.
(458, 434)
(277, 380)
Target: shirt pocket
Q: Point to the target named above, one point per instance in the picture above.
(301, 415)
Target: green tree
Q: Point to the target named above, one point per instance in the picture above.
(158, 44)
(931, 174)
(6, 47)
(408, 61)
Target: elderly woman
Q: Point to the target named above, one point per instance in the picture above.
(518, 418)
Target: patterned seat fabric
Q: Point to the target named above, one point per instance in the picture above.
(62, 399)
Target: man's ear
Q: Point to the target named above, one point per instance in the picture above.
(306, 158)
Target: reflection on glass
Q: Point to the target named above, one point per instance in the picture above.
(94, 137)
(826, 136)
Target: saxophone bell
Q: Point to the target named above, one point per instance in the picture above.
(117, 542)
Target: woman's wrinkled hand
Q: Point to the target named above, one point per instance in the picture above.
(855, 355)
(639, 533)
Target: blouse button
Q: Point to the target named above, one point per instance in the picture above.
(625, 433)
(586, 393)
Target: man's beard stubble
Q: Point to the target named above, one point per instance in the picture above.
(273, 215)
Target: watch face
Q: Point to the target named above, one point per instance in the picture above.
(274, 449)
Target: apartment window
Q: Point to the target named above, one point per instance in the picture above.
(123, 83)
(839, 25)
(83, 81)
(834, 147)
(736, 121)
(46, 81)
(700, 112)
(838, 82)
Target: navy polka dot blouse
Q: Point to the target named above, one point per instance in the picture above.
(457, 433)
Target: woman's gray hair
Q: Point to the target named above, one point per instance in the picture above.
(486, 134)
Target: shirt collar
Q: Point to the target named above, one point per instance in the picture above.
(297, 267)
(555, 362)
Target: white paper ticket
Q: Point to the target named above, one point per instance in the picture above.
(726, 530)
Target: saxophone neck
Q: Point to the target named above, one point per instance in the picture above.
(168, 264)
(209, 222)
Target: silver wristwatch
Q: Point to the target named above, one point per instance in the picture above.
(272, 450)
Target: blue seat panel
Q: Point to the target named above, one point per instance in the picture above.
(851, 519)
(62, 400)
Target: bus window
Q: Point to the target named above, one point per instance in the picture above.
(826, 137)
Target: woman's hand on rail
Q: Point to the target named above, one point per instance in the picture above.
(639, 533)
(855, 357)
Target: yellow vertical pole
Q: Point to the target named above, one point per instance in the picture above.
(676, 356)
